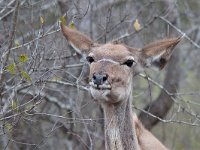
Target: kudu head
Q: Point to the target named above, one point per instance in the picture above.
(112, 66)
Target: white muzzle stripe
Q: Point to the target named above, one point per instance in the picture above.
(108, 60)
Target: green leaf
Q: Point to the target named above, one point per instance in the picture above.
(17, 44)
(72, 25)
(13, 105)
(63, 20)
(29, 106)
(8, 126)
(56, 78)
(11, 68)
(25, 75)
(23, 58)
(41, 20)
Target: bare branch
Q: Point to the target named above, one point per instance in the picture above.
(179, 30)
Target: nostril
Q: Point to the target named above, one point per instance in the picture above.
(94, 77)
(99, 79)
(105, 77)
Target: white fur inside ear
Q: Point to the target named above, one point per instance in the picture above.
(157, 57)
(75, 48)
(153, 62)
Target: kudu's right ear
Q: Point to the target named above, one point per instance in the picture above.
(157, 54)
(80, 42)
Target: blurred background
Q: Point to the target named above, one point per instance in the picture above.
(44, 98)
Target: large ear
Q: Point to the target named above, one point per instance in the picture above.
(157, 54)
(80, 42)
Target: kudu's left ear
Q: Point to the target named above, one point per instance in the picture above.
(157, 54)
(80, 42)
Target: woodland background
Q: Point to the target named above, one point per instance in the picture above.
(44, 98)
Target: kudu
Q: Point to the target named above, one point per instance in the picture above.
(112, 68)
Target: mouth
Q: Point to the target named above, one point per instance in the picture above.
(100, 87)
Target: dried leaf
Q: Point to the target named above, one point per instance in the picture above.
(56, 78)
(136, 25)
(41, 20)
(17, 44)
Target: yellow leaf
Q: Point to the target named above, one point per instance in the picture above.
(11, 68)
(136, 25)
(56, 78)
(72, 25)
(63, 20)
(41, 20)
(13, 105)
(25, 75)
(23, 58)
(17, 44)
(8, 126)
(29, 106)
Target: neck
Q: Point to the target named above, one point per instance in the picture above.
(119, 128)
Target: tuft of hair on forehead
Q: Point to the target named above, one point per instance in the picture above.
(110, 51)
(110, 48)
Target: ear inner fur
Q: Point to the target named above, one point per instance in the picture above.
(80, 42)
(158, 53)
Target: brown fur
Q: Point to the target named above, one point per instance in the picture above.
(146, 139)
(77, 38)
(122, 130)
(165, 46)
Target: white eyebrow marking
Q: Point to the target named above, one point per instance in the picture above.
(131, 57)
(109, 60)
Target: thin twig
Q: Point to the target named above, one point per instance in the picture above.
(167, 121)
(12, 36)
(179, 30)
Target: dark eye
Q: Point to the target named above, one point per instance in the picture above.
(129, 62)
(90, 59)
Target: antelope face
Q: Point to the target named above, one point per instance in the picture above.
(112, 66)
(111, 71)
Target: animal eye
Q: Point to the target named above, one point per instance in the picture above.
(129, 62)
(90, 59)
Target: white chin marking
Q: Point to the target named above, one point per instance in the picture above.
(100, 87)
(99, 94)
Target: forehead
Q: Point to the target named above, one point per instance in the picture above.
(114, 51)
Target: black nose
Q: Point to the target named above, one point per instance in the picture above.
(99, 79)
